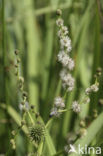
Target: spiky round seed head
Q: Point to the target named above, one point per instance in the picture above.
(37, 133)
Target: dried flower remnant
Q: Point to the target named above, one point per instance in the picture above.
(24, 105)
(82, 132)
(86, 100)
(82, 123)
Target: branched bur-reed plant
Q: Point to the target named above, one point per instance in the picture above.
(37, 130)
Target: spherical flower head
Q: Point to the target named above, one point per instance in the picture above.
(54, 112)
(69, 48)
(67, 80)
(76, 107)
(94, 87)
(65, 41)
(65, 60)
(59, 102)
(62, 57)
(59, 22)
(70, 85)
(63, 31)
(71, 64)
(63, 73)
(88, 91)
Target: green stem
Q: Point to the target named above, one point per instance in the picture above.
(41, 11)
(65, 110)
(49, 121)
(58, 153)
(31, 118)
(40, 149)
(3, 44)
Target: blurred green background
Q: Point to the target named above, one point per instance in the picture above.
(29, 25)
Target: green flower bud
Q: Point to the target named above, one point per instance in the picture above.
(59, 12)
(16, 52)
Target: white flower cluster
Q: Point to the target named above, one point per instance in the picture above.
(65, 60)
(58, 105)
(67, 80)
(67, 63)
(64, 57)
(59, 102)
(59, 22)
(92, 88)
(76, 107)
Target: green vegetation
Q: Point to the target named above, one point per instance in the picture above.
(30, 81)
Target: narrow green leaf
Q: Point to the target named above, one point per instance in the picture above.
(92, 131)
